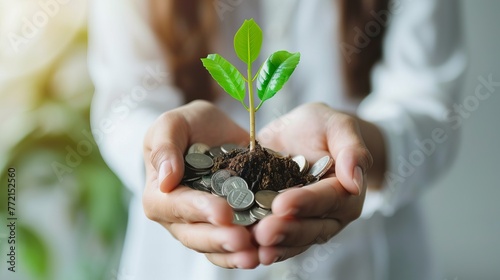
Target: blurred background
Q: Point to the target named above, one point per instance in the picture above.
(72, 210)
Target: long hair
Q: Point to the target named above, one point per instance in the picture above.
(184, 30)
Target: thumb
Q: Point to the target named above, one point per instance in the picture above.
(352, 157)
(163, 151)
(351, 165)
(168, 163)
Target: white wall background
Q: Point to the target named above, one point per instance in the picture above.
(464, 207)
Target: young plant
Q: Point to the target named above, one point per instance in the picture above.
(271, 76)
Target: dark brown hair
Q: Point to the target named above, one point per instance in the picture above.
(184, 30)
(358, 17)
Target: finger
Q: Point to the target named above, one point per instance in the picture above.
(294, 133)
(273, 254)
(164, 145)
(282, 231)
(184, 205)
(352, 157)
(321, 199)
(248, 259)
(173, 131)
(207, 238)
(209, 125)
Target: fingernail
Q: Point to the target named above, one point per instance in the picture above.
(211, 220)
(165, 170)
(278, 239)
(358, 178)
(274, 261)
(227, 247)
(291, 212)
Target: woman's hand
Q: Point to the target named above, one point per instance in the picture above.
(199, 220)
(314, 213)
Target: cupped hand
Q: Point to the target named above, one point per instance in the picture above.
(313, 214)
(199, 220)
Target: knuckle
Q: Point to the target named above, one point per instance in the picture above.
(173, 118)
(366, 157)
(341, 120)
(324, 234)
(347, 120)
(354, 214)
(174, 213)
(337, 203)
(148, 208)
(319, 104)
(158, 153)
(201, 103)
(327, 231)
(185, 240)
(341, 125)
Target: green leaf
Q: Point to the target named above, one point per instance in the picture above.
(248, 41)
(275, 73)
(226, 75)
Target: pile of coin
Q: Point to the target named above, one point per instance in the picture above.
(248, 207)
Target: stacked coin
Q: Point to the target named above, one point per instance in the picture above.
(196, 165)
(248, 207)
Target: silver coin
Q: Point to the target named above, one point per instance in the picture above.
(216, 194)
(216, 152)
(198, 185)
(206, 180)
(227, 148)
(198, 148)
(302, 162)
(240, 199)
(243, 218)
(190, 179)
(321, 166)
(265, 198)
(259, 213)
(232, 184)
(198, 172)
(199, 161)
(190, 175)
(218, 180)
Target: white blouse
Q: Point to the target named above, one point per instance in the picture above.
(414, 88)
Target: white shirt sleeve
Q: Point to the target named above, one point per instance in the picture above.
(132, 86)
(414, 89)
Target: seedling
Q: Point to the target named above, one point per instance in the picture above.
(270, 78)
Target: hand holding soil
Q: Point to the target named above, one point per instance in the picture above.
(199, 220)
(314, 213)
(301, 217)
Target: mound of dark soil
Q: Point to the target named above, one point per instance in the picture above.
(263, 170)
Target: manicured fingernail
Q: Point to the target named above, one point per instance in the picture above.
(227, 247)
(211, 220)
(291, 212)
(358, 178)
(165, 170)
(274, 260)
(278, 239)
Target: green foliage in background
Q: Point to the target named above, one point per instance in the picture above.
(70, 226)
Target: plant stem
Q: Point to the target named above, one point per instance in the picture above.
(251, 108)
